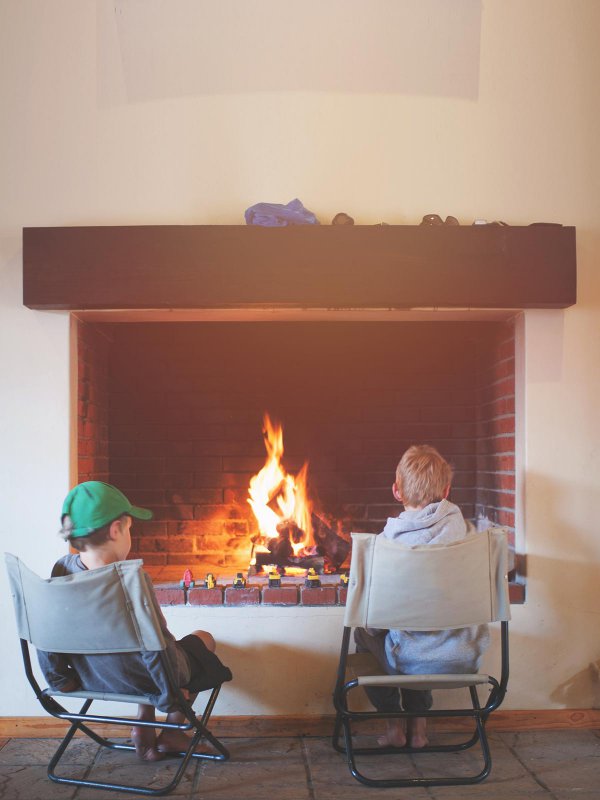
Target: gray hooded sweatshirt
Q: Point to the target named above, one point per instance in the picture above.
(413, 652)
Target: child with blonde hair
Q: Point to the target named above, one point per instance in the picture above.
(422, 485)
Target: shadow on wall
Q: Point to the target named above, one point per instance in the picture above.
(581, 689)
(282, 678)
(562, 569)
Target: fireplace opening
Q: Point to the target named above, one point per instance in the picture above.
(174, 413)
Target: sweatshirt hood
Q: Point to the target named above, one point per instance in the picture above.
(437, 523)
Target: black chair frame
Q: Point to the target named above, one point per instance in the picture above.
(79, 719)
(477, 713)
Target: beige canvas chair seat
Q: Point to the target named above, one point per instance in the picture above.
(113, 697)
(365, 669)
(423, 588)
(104, 611)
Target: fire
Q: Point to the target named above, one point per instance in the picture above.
(275, 496)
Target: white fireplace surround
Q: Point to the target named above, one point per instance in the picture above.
(259, 643)
(77, 149)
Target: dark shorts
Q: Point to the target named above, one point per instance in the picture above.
(207, 670)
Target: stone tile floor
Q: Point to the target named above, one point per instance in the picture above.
(557, 764)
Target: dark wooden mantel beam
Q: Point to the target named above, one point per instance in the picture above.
(238, 266)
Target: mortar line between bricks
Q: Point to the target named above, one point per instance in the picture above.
(88, 770)
(417, 767)
(530, 772)
(306, 759)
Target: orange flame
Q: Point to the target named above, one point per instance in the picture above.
(276, 496)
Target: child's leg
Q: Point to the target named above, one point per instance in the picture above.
(384, 698)
(207, 638)
(417, 700)
(144, 738)
(395, 733)
(178, 741)
(417, 732)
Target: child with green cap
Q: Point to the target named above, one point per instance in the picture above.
(96, 521)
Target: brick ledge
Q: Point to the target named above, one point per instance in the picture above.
(329, 594)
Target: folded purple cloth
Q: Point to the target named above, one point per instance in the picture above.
(275, 214)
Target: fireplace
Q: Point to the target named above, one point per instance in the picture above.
(173, 414)
(360, 341)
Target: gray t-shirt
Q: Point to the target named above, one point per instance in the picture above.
(123, 673)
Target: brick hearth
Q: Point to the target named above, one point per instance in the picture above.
(257, 592)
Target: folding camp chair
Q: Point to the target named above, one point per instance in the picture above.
(422, 588)
(107, 610)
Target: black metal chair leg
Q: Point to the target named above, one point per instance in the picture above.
(337, 730)
(77, 724)
(344, 722)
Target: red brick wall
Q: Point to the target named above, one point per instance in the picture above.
(186, 404)
(92, 403)
(496, 428)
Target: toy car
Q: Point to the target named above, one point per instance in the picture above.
(274, 579)
(312, 580)
(239, 582)
(187, 582)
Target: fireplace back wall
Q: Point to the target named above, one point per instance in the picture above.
(172, 414)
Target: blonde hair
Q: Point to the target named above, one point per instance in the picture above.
(422, 476)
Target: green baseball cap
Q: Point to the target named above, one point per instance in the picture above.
(93, 504)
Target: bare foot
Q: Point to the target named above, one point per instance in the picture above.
(417, 736)
(395, 736)
(170, 741)
(144, 740)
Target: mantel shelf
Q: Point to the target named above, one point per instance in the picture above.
(333, 267)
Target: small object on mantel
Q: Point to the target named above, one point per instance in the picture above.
(344, 579)
(312, 580)
(276, 215)
(435, 219)
(342, 219)
(432, 219)
(187, 582)
(239, 582)
(210, 581)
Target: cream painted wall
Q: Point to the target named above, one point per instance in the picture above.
(74, 151)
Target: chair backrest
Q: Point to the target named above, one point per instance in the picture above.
(428, 587)
(107, 610)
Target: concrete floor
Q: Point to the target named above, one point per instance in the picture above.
(556, 764)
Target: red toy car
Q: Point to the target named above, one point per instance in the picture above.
(187, 582)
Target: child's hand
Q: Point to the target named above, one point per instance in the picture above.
(70, 686)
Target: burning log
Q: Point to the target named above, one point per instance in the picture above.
(315, 562)
(289, 531)
(328, 554)
(263, 559)
(281, 550)
(335, 549)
